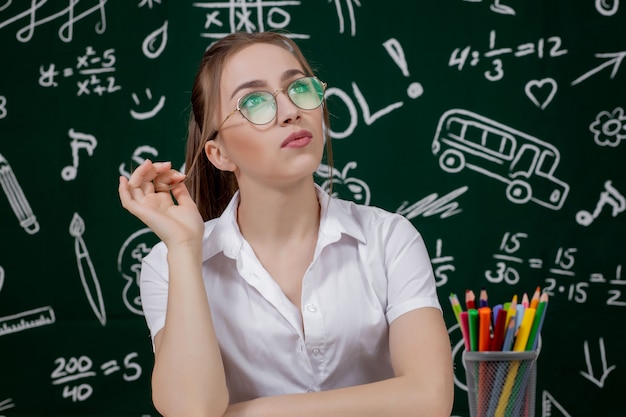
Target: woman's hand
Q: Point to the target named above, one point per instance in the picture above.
(157, 196)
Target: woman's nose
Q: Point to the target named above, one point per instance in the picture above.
(286, 111)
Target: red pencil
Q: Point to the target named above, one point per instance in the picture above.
(499, 330)
(470, 299)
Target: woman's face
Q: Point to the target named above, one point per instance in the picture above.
(288, 148)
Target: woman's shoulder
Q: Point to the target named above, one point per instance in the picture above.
(367, 213)
(370, 219)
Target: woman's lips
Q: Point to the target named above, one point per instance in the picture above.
(297, 139)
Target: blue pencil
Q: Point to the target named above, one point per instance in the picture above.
(508, 337)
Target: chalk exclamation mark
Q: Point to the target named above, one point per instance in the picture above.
(395, 51)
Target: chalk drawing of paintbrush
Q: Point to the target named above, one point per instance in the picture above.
(88, 277)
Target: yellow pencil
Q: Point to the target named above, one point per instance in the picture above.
(521, 339)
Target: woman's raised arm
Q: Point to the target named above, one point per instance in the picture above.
(188, 377)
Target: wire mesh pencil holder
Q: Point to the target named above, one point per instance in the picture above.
(501, 384)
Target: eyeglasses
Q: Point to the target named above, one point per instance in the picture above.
(259, 107)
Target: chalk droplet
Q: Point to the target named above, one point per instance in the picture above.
(154, 44)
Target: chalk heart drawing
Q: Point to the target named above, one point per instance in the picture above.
(541, 92)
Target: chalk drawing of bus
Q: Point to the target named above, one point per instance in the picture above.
(526, 164)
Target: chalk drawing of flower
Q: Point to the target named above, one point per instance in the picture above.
(609, 128)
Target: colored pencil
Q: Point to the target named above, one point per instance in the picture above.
(508, 336)
(465, 330)
(534, 301)
(483, 300)
(473, 328)
(470, 299)
(484, 329)
(525, 301)
(456, 307)
(533, 338)
(521, 338)
(499, 330)
(512, 310)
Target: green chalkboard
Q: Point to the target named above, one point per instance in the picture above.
(496, 126)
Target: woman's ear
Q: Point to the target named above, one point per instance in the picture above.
(218, 157)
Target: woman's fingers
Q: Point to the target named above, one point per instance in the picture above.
(152, 177)
(167, 180)
(181, 194)
(124, 192)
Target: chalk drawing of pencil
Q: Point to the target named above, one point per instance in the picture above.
(88, 277)
(16, 197)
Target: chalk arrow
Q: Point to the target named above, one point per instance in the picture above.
(615, 60)
(605, 371)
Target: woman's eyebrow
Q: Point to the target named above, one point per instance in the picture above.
(260, 83)
(291, 73)
(248, 84)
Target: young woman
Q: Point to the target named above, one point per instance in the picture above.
(266, 297)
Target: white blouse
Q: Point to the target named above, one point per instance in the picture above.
(370, 266)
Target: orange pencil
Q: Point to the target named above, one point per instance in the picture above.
(535, 300)
(484, 329)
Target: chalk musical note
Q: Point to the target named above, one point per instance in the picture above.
(612, 197)
(16, 197)
(88, 276)
(79, 141)
(66, 31)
